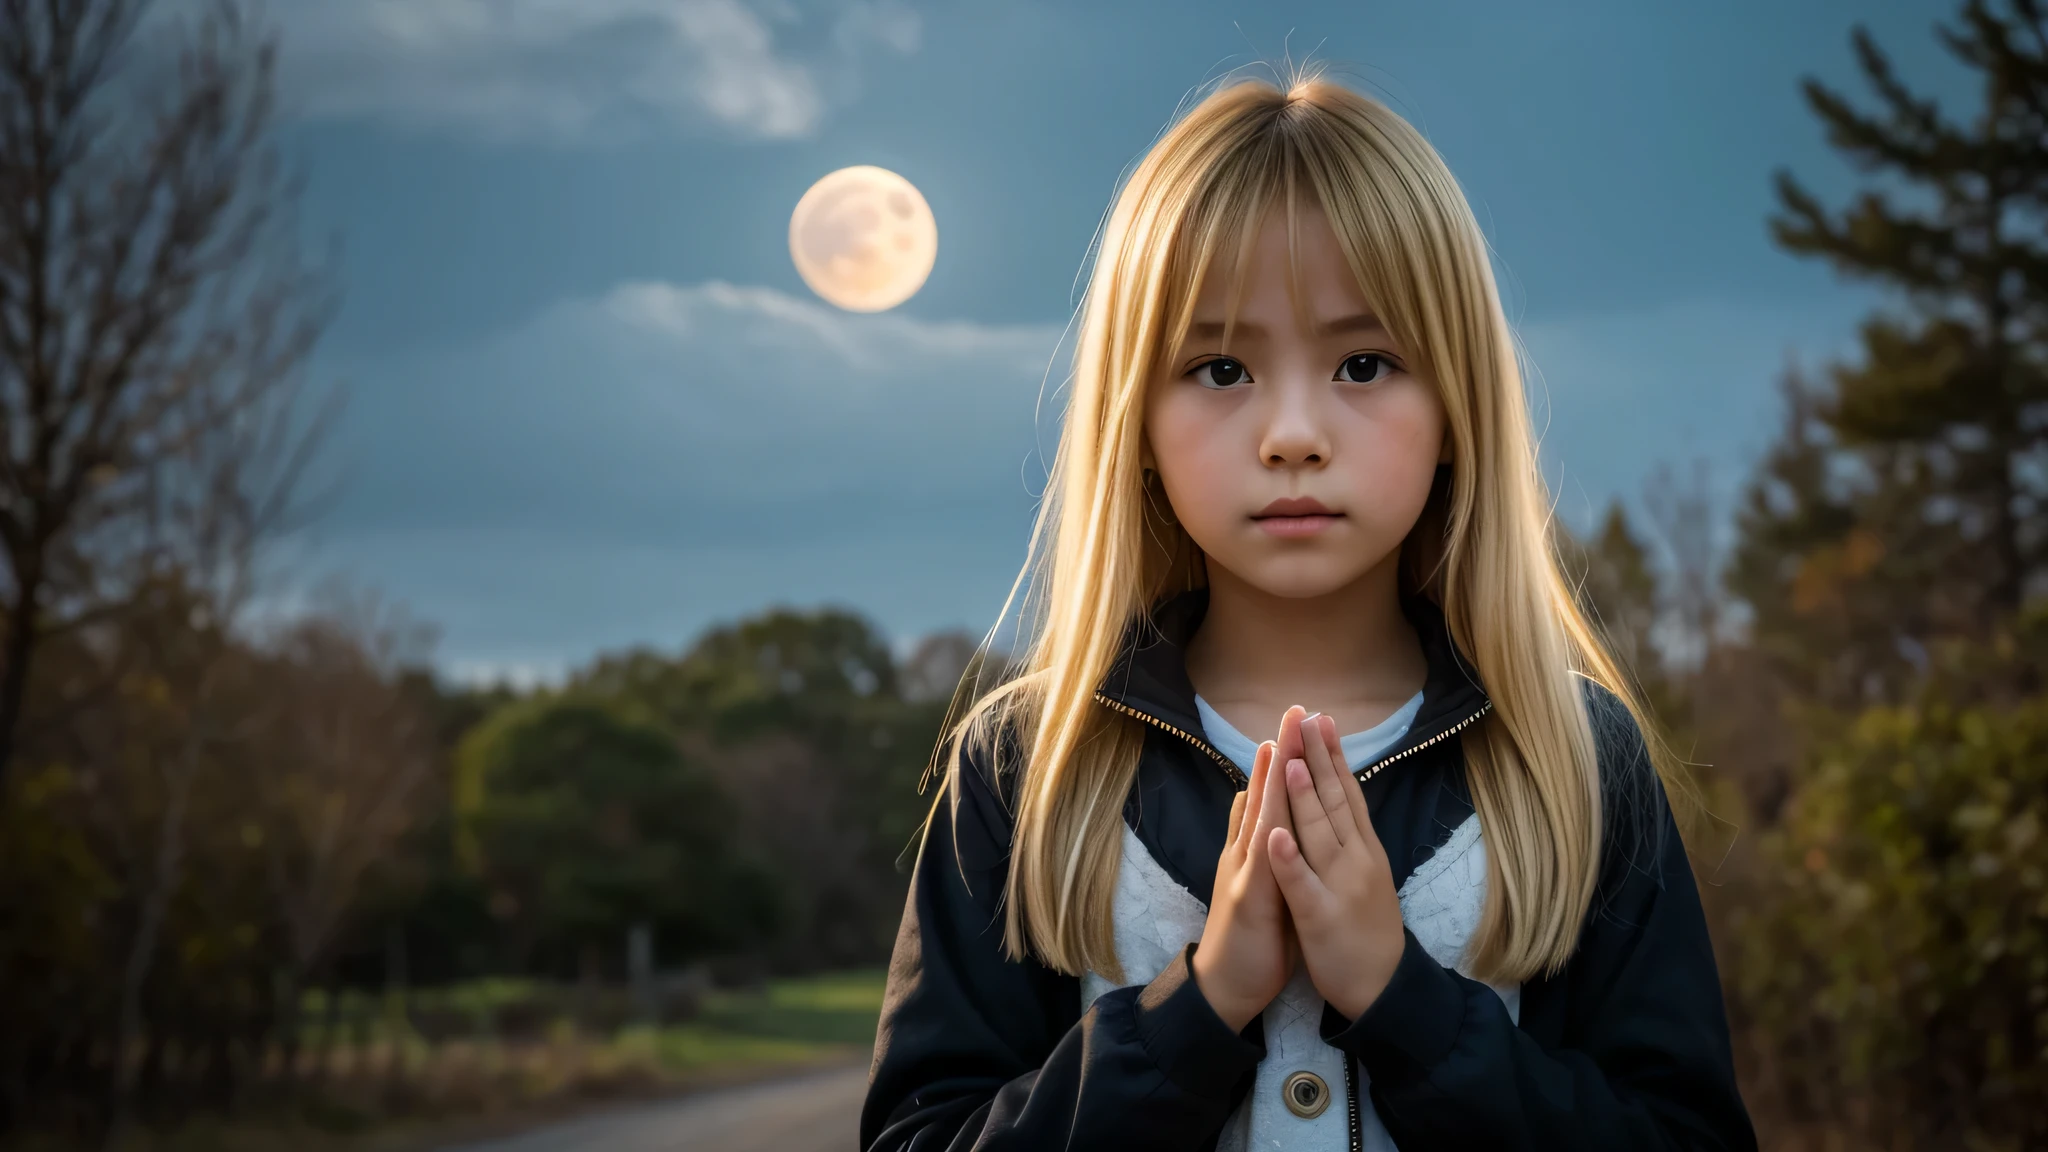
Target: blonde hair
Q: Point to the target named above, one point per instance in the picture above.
(1102, 552)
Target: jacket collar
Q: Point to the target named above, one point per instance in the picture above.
(1149, 676)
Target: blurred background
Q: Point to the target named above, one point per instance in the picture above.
(475, 618)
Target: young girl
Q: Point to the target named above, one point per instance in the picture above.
(1447, 909)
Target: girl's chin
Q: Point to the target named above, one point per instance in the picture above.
(1297, 577)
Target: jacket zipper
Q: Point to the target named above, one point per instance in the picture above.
(1236, 774)
(1351, 1102)
(1367, 772)
(1351, 1105)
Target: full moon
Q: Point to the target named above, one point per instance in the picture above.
(863, 238)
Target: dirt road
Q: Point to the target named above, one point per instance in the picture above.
(818, 1112)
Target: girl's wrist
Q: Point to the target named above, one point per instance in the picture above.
(1351, 1003)
(1235, 1015)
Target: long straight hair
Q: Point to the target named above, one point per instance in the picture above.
(1103, 549)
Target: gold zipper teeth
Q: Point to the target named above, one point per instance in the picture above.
(1237, 775)
(1367, 772)
(1351, 1102)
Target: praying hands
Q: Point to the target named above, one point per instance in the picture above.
(1334, 874)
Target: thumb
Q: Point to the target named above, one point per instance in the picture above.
(1298, 882)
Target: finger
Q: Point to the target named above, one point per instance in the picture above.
(1272, 796)
(1236, 822)
(1311, 824)
(1272, 802)
(1299, 884)
(1288, 746)
(1361, 812)
(1324, 772)
(1255, 788)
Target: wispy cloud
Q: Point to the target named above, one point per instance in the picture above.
(632, 467)
(703, 406)
(587, 70)
(635, 466)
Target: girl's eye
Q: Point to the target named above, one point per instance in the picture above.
(1221, 372)
(1365, 368)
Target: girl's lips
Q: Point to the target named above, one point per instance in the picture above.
(1297, 526)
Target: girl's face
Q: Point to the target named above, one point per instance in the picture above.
(1297, 461)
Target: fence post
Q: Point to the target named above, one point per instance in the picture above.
(640, 969)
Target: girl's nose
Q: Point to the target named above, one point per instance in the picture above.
(1295, 432)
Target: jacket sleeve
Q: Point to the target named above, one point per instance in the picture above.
(1646, 1063)
(978, 1051)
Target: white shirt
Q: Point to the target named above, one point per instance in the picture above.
(1360, 748)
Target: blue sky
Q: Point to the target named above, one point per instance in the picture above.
(592, 404)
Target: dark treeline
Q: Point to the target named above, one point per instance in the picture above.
(746, 800)
(210, 819)
(351, 823)
(1858, 678)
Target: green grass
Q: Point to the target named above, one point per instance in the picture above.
(840, 1008)
(788, 1021)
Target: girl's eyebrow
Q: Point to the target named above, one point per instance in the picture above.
(1213, 329)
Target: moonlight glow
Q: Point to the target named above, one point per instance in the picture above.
(863, 238)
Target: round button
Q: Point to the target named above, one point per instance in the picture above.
(1306, 1095)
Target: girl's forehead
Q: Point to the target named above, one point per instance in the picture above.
(1309, 294)
(1269, 253)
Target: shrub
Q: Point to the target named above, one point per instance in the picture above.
(1894, 951)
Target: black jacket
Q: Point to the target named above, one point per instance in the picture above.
(1626, 1048)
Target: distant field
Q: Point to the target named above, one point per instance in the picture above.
(395, 1093)
(789, 1020)
(839, 1008)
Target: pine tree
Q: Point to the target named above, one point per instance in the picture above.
(1802, 564)
(1913, 509)
(1617, 587)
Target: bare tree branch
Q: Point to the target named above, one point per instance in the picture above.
(155, 314)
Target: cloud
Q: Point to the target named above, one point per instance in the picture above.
(638, 465)
(587, 70)
(714, 405)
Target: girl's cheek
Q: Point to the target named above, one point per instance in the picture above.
(1399, 436)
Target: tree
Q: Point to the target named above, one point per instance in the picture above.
(934, 668)
(189, 847)
(154, 314)
(1882, 936)
(337, 756)
(800, 716)
(1617, 587)
(583, 820)
(1910, 509)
